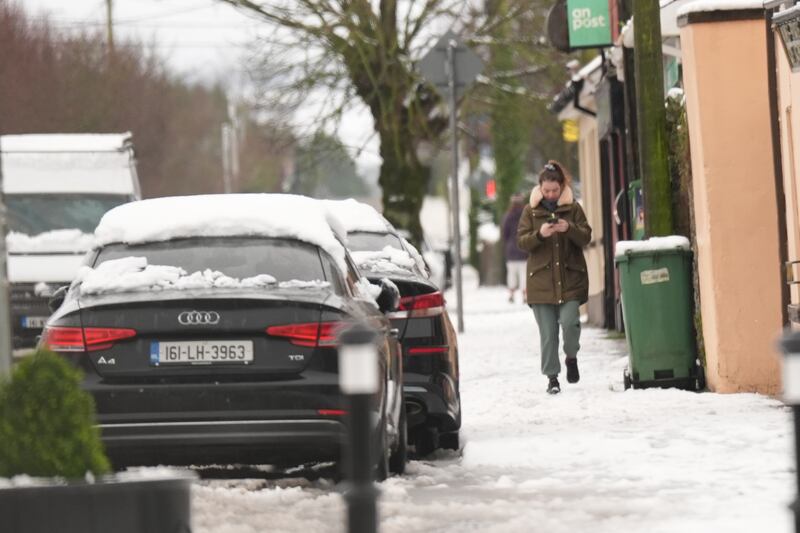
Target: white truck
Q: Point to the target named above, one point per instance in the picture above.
(56, 187)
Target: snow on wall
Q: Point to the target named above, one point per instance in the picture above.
(700, 6)
(220, 215)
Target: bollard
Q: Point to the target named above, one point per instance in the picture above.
(358, 380)
(790, 343)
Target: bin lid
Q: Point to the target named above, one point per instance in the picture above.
(671, 243)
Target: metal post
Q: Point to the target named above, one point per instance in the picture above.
(110, 26)
(456, 209)
(5, 305)
(791, 396)
(226, 158)
(358, 379)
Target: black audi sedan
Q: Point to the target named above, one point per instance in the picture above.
(207, 326)
(429, 341)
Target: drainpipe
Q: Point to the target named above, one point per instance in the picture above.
(777, 162)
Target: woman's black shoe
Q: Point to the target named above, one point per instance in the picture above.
(552, 386)
(573, 376)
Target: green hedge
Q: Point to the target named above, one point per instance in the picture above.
(47, 421)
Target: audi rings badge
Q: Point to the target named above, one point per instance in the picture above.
(198, 318)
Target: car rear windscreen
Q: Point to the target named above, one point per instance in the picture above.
(362, 241)
(33, 214)
(237, 257)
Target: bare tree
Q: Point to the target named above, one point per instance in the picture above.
(365, 51)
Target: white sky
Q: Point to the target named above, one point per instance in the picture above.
(202, 39)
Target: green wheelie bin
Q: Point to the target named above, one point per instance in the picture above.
(657, 308)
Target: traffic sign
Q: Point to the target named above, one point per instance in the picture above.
(434, 66)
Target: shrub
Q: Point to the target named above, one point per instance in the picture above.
(47, 421)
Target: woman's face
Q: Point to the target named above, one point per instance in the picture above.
(551, 190)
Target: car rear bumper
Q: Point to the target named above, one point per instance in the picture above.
(230, 441)
(428, 401)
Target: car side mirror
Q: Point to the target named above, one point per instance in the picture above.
(389, 298)
(57, 298)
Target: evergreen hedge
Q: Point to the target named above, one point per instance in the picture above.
(47, 421)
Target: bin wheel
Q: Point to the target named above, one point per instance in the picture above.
(700, 379)
(626, 379)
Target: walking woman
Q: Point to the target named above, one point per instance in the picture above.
(553, 230)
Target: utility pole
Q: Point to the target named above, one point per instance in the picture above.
(456, 207)
(226, 157)
(5, 303)
(651, 118)
(110, 26)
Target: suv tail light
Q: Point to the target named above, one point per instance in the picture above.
(308, 334)
(423, 304)
(72, 339)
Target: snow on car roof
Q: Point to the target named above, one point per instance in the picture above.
(223, 215)
(357, 216)
(65, 142)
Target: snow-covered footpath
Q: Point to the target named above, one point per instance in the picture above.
(594, 458)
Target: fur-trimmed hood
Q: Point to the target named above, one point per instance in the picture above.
(566, 197)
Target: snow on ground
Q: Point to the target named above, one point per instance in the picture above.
(594, 458)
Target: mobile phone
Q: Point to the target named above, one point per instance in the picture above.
(553, 221)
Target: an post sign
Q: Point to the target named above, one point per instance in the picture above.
(592, 23)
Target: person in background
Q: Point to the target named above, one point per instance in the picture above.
(515, 258)
(553, 230)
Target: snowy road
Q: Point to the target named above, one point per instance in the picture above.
(593, 458)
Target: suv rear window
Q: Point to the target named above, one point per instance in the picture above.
(237, 257)
(362, 241)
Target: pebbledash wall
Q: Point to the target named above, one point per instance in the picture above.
(736, 211)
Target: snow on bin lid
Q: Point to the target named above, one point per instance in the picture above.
(223, 215)
(672, 242)
(357, 216)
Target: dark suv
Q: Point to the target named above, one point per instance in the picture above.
(429, 342)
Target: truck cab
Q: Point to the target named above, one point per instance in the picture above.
(56, 188)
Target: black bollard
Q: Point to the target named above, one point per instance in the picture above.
(790, 343)
(358, 379)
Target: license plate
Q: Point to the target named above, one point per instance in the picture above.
(201, 352)
(33, 322)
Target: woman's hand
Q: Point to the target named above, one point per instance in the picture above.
(562, 226)
(547, 230)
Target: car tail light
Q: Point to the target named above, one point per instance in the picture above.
(427, 350)
(331, 412)
(104, 338)
(423, 304)
(308, 334)
(72, 339)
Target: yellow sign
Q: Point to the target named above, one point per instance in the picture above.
(570, 131)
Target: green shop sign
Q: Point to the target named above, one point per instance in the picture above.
(591, 23)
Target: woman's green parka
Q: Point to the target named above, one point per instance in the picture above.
(556, 271)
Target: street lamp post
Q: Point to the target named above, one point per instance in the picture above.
(791, 396)
(358, 380)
